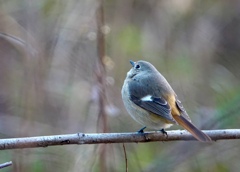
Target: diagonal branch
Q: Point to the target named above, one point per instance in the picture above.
(84, 138)
(6, 164)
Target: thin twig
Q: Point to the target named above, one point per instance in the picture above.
(6, 164)
(125, 155)
(99, 138)
(101, 79)
(16, 41)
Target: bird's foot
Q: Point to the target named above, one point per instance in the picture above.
(164, 132)
(141, 130)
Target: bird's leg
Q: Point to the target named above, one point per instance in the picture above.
(164, 132)
(141, 130)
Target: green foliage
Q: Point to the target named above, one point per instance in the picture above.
(37, 166)
(220, 167)
(141, 157)
(5, 157)
(182, 66)
(228, 108)
(129, 40)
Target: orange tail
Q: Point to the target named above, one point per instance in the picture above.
(198, 134)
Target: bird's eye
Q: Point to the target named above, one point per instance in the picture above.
(137, 66)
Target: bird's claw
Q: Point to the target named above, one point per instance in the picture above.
(141, 130)
(164, 132)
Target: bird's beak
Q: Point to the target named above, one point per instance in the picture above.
(132, 63)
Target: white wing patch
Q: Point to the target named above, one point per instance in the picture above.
(147, 98)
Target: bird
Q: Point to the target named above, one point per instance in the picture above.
(151, 101)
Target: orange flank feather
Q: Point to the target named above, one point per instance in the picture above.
(185, 123)
(172, 102)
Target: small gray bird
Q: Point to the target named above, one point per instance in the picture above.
(151, 101)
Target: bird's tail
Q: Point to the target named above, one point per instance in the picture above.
(198, 134)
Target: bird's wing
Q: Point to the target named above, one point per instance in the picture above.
(156, 105)
(182, 110)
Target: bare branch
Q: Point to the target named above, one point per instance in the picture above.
(6, 164)
(125, 155)
(101, 80)
(82, 138)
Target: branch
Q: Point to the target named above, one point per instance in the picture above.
(82, 138)
(6, 164)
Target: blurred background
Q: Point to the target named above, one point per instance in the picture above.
(63, 64)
